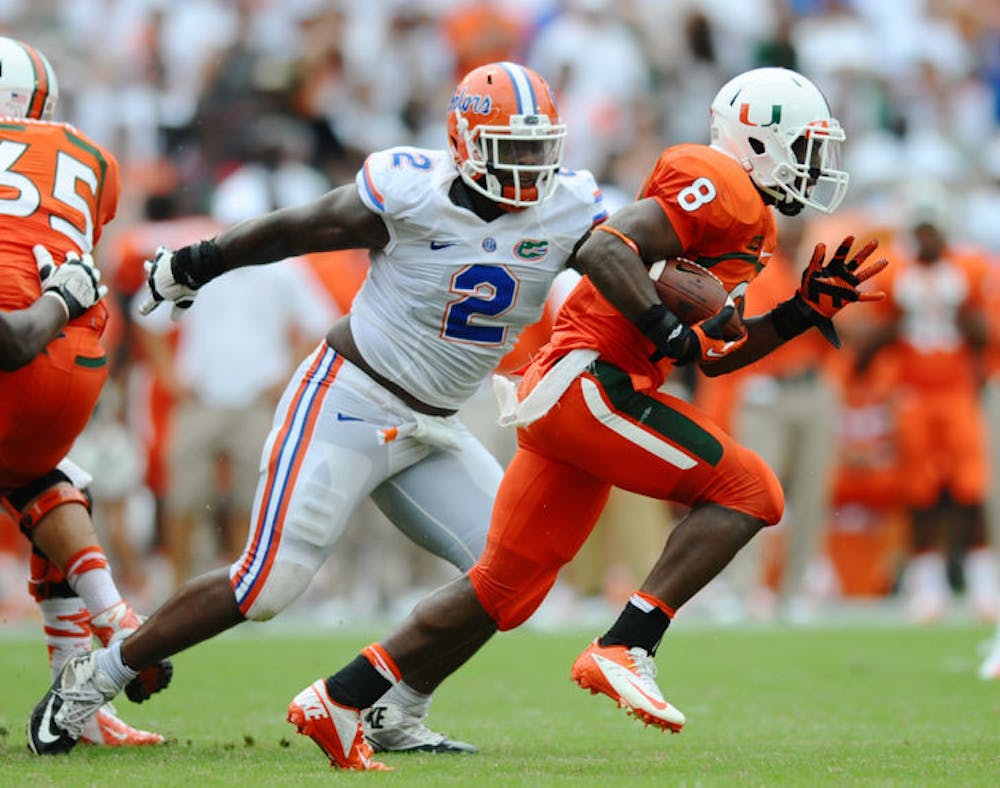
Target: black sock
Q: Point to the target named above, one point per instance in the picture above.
(358, 684)
(636, 627)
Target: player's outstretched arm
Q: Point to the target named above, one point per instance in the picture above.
(68, 291)
(337, 220)
(825, 289)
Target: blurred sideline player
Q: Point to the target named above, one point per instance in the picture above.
(591, 414)
(937, 327)
(60, 188)
(150, 398)
(464, 246)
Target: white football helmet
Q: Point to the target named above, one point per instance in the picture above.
(28, 86)
(777, 124)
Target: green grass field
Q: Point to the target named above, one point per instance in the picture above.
(836, 706)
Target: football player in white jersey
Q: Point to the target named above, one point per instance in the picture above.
(464, 246)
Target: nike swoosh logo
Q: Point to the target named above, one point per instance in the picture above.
(345, 417)
(436, 245)
(766, 254)
(689, 267)
(657, 704)
(44, 732)
(713, 353)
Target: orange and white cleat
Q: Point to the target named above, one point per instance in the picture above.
(117, 623)
(627, 676)
(336, 729)
(107, 729)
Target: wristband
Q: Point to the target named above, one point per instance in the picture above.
(794, 316)
(661, 327)
(197, 264)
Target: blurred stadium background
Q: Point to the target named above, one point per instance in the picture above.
(223, 109)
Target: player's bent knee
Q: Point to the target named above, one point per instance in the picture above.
(31, 503)
(284, 584)
(757, 492)
(509, 605)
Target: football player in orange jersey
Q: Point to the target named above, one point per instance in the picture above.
(937, 330)
(60, 188)
(591, 415)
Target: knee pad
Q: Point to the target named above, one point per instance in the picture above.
(283, 585)
(35, 500)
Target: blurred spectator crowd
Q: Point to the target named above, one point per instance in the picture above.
(220, 110)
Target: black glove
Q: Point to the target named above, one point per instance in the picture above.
(709, 340)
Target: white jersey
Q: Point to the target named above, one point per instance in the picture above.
(450, 293)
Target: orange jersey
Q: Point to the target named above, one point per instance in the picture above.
(928, 302)
(57, 188)
(722, 223)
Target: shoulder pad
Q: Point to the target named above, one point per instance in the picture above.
(582, 186)
(394, 179)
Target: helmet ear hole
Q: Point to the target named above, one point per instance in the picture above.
(756, 145)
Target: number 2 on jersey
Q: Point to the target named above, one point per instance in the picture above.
(487, 290)
(68, 172)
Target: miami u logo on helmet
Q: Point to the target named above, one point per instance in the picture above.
(745, 116)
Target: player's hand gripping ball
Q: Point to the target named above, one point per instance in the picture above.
(691, 291)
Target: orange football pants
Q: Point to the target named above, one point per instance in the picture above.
(46, 404)
(602, 433)
(942, 446)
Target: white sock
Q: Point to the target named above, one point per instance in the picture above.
(402, 694)
(67, 632)
(109, 661)
(90, 578)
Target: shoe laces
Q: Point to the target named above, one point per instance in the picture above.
(643, 665)
(82, 700)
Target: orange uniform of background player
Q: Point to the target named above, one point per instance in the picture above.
(57, 188)
(942, 428)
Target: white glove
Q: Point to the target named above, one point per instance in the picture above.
(162, 286)
(76, 283)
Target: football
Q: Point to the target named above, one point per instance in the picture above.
(690, 291)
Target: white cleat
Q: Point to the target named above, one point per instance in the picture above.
(390, 727)
(79, 691)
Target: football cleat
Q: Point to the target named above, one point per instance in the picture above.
(107, 729)
(117, 623)
(627, 676)
(336, 729)
(390, 727)
(79, 691)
